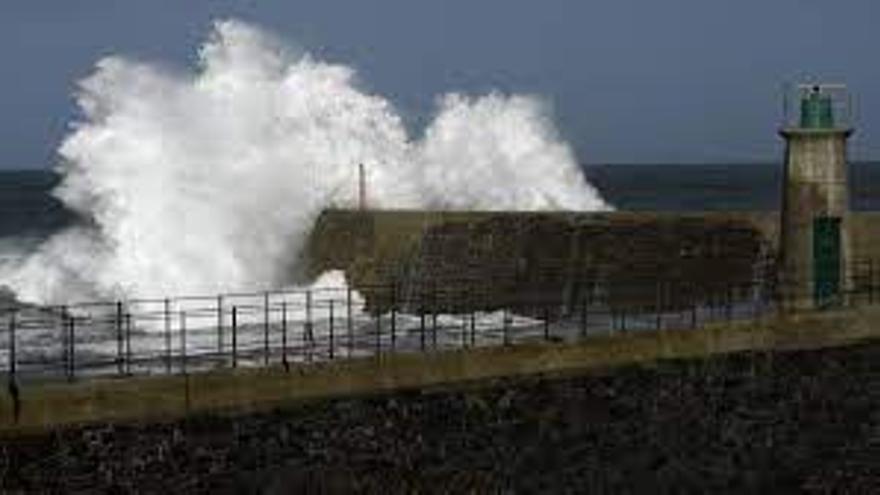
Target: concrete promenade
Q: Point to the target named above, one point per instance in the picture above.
(49, 405)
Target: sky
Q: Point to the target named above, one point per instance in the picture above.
(629, 81)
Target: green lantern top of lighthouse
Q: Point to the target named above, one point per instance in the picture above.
(817, 108)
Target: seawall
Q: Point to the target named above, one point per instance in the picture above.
(484, 258)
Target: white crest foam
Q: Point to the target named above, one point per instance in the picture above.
(209, 181)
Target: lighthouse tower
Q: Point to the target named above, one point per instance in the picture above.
(814, 231)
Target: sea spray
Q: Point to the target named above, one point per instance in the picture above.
(208, 181)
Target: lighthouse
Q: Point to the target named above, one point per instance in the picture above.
(814, 231)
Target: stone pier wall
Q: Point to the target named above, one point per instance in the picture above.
(484, 259)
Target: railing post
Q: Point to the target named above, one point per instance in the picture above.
(119, 338)
(422, 325)
(65, 336)
(464, 333)
(128, 343)
(756, 295)
(434, 329)
(220, 326)
(658, 305)
(378, 332)
(349, 323)
(612, 320)
(234, 336)
(434, 314)
(12, 357)
(167, 318)
(393, 316)
(12, 384)
(711, 303)
(546, 323)
(729, 302)
(332, 339)
(584, 316)
(183, 342)
(504, 324)
(308, 336)
(862, 282)
(873, 284)
(266, 329)
(72, 339)
(473, 329)
(284, 333)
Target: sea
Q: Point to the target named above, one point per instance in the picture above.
(30, 213)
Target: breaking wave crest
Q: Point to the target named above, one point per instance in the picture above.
(209, 180)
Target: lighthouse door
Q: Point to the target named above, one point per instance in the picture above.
(826, 260)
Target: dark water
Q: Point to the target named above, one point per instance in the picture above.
(27, 208)
(715, 187)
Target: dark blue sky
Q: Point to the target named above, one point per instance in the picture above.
(629, 80)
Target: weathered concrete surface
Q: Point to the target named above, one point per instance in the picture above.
(49, 405)
(489, 257)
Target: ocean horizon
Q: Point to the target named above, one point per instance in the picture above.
(29, 209)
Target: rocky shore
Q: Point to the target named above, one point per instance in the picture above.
(751, 422)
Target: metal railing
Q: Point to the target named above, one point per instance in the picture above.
(191, 334)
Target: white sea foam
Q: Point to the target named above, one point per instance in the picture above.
(208, 180)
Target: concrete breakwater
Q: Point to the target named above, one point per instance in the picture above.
(486, 259)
